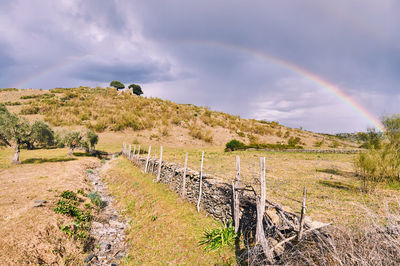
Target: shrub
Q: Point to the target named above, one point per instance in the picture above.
(292, 142)
(234, 145)
(381, 165)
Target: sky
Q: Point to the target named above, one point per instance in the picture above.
(324, 66)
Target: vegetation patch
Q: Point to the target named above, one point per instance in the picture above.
(218, 238)
(72, 205)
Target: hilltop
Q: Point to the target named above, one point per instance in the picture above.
(153, 120)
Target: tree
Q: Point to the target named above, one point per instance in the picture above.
(117, 84)
(40, 135)
(91, 139)
(72, 140)
(136, 89)
(13, 131)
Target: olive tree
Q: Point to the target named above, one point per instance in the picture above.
(90, 140)
(73, 140)
(40, 135)
(16, 132)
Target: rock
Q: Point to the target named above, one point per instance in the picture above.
(89, 258)
(114, 264)
(39, 203)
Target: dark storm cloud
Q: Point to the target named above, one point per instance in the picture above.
(208, 53)
(139, 73)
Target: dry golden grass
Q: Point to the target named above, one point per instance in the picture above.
(107, 110)
(31, 235)
(334, 193)
(164, 229)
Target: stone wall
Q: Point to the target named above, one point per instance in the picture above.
(311, 150)
(217, 199)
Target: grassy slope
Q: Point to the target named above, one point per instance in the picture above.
(164, 229)
(153, 119)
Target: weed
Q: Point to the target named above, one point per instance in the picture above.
(96, 199)
(68, 194)
(69, 205)
(216, 239)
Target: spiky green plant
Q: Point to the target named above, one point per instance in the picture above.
(217, 238)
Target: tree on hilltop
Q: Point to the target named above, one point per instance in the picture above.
(136, 89)
(117, 84)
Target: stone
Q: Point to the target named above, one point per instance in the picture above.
(89, 258)
(39, 203)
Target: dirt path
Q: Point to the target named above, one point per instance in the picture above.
(108, 227)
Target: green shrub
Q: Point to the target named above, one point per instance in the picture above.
(68, 194)
(234, 145)
(381, 165)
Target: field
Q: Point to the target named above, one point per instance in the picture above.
(160, 220)
(29, 234)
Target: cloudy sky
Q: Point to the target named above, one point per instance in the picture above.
(263, 59)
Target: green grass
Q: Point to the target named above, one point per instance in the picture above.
(164, 229)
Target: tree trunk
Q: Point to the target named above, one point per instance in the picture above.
(15, 159)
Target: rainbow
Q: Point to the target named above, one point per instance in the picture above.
(46, 71)
(331, 88)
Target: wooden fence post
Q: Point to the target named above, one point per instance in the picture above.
(138, 157)
(235, 194)
(184, 177)
(260, 234)
(302, 216)
(159, 165)
(123, 148)
(201, 182)
(148, 158)
(133, 153)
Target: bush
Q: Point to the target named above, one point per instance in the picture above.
(381, 165)
(234, 145)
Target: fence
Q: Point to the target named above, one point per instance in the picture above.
(258, 219)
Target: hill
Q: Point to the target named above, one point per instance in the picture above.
(153, 119)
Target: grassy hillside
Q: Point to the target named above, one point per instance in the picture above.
(106, 110)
